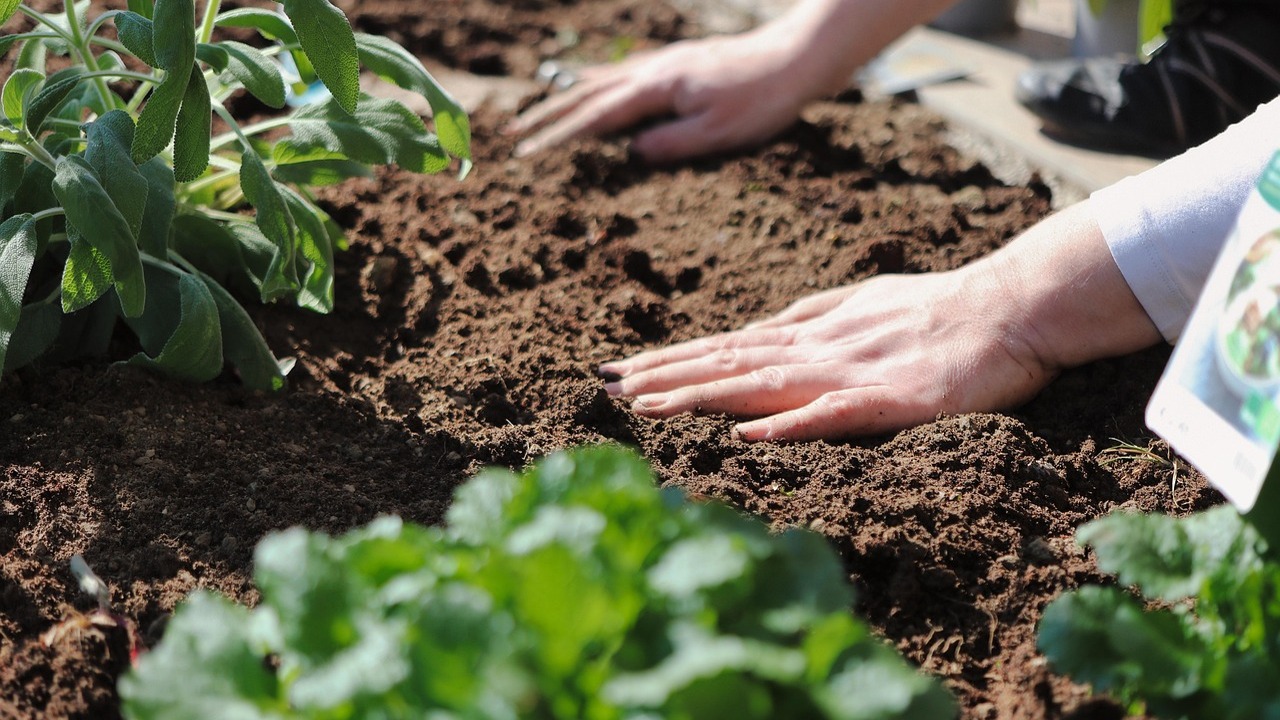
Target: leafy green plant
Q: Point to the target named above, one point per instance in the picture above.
(1153, 15)
(1210, 645)
(574, 590)
(119, 202)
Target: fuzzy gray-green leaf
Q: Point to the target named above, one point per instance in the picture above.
(330, 45)
(18, 244)
(179, 330)
(91, 211)
(7, 9)
(194, 123)
(315, 253)
(242, 344)
(268, 24)
(137, 33)
(107, 151)
(397, 65)
(259, 74)
(174, 38)
(275, 222)
(86, 275)
(55, 91)
(17, 92)
(382, 131)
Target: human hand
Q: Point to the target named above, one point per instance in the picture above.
(877, 356)
(725, 92)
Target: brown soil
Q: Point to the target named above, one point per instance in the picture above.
(470, 318)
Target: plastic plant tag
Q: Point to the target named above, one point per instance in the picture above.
(1218, 401)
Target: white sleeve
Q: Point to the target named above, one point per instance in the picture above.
(1165, 226)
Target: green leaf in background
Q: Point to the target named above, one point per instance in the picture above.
(259, 74)
(36, 332)
(194, 123)
(56, 90)
(330, 44)
(7, 9)
(137, 33)
(319, 172)
(268, 24)
(276, 223)
(11, 165)
(1153, 16)
(90, 209)
(18, 245)
(212, 655)
(33, 55)
(17, 93)
(179, 329)
(236, 255)
(382, 131)
(394, 64)
(243, 346)
(145, 8)
(107, 152)
(153, 236)
(314, 247)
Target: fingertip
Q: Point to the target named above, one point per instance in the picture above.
(525, 149)
(753, 431)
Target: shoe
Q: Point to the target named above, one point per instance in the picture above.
(1220, 60)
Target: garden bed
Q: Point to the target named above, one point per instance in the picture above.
(470, 318)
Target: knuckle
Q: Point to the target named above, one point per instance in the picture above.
(769, 379)
(726, 358)
(837, 404)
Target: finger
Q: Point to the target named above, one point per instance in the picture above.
(611, 109)
(554, 107)
(680, 139)
(766, 391)
(805, 309)
(692, 349)
(844, 413)
(718, 365)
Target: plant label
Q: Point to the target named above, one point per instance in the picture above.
(1218, 401)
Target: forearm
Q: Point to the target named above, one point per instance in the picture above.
(830, 39)
(1070, 302)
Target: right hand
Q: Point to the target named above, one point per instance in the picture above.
(726, 92)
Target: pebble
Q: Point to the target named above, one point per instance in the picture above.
(251, 504)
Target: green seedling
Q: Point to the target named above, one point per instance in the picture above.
(118, 204)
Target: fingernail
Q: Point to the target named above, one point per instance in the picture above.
(649, 402)
(525, 148)
(613, 389)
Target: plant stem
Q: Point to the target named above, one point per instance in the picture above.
(219, 214)
(121, 74)
(44, 20)
(33, 150)
(210, 180)
(48, 213)
(210, 14)
(246, 131)
(87, 57)
(236, 130)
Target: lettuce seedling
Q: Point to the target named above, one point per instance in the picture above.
(1209, 646)
(574, 590)
(119, 204)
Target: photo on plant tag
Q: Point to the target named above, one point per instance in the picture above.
(1218, 402)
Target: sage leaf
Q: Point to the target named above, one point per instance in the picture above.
(330, 44)
(18, 244)
(315, 251)
(242, 345)
(194, 124)
(86, 275)
(10, 177)
(276, 223)
(179, 330)
(236, 256)
(137, 33)
(7, 9)
(394, 64)
(56, 90)
(174, 45)
(17, 93)
(91, 211)
(153, 236)
(37, 330)
(174, 38)
(145, 8)
(268, 24)
(381, 131)
(259, 74)
(107, 152)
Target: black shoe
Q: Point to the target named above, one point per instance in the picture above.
(1219, 62)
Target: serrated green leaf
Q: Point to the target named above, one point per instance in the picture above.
(17, 93)
(161, 205)
(7, 9)
(109, 139)
(243, 345)
(137, 33)
(259, 74)
(159, 118)
(330, 44)
(174, 36)
(194, 123)
(55, 91)
(210, 654)
(90, 209)
(86, 275)
(276, 223)
(270, 25)
(315, 252)
(18, 245)
(174, 46)
(393, 63)
(187, 346)
(381, 132)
